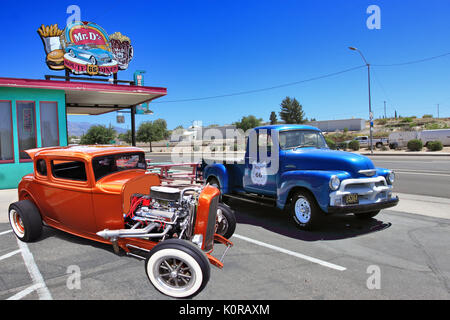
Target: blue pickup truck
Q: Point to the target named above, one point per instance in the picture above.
(292, 168)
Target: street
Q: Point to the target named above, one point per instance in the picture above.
(400, 254)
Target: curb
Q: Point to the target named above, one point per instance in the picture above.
(424, 154)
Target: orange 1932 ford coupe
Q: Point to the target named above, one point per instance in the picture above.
(106, 194)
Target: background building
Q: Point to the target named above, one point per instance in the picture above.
(333, 125)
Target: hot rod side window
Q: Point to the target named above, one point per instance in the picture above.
(70, 170)
(41, 167)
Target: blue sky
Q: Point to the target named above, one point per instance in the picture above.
(207, 48)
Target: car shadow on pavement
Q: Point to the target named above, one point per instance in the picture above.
(49, 232)
(333, 227)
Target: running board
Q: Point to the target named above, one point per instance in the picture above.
(267, 202)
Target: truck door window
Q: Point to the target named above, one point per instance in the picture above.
(292, 139)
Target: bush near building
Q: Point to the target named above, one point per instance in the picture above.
(415, 145)
(434, 145)
(354, 145)
(331, 144)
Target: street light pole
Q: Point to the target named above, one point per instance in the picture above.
(370, 98)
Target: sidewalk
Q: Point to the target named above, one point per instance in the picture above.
(7, 196)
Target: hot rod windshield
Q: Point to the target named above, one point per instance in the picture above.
(292, 139)
(105, 165)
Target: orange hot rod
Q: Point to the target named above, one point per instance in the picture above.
(106, 194)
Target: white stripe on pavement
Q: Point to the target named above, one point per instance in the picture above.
(36, 276)
(25, 292)
(292, 253)
(5, 232)
(5, 256)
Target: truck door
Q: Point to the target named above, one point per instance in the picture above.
(261, 163)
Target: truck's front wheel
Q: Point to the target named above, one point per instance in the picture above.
(304, 210)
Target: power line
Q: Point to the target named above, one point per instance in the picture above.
(265, 89)
(306, 80)
(412, 62)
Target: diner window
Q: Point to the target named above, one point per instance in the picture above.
(49, 124)
(6, 133)
(26, 126)
(70, 170)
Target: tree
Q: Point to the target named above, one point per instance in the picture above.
(152, 131)
(126, 137)
(292, 111)
(273, 118)
(98, 134)
(248, 122)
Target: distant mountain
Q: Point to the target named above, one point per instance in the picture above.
(80, 128)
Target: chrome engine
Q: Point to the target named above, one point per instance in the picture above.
(164, 213)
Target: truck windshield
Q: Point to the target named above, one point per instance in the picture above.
(105, 165)
(292, 139)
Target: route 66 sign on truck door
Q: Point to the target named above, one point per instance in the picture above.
(259, 173)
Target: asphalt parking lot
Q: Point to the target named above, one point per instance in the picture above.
(393, 256)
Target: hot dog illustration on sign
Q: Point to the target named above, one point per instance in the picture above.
(259, 173)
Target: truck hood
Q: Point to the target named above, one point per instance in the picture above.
(326, 159)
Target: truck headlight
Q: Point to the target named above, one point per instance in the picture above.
(334, 183)
(391, 177)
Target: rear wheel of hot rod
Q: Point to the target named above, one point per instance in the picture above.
(177, 268)
(304, 210)
(226, 221)
(25, 220)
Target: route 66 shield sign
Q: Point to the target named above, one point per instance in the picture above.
(259, 173)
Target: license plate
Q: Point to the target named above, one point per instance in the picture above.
(351, 198)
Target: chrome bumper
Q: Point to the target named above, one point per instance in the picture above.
(373, 194)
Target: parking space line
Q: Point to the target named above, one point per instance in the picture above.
(5, 232)
(19, 295)
(5, 256)
(292, 253)
(36, 276)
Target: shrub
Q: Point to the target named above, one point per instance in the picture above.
(434, 145)
(408, 119)
(331, 144)
(342, 145)
(427, 116)
(415, 145)
(354, 145)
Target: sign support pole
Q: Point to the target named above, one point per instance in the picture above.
(133, 126)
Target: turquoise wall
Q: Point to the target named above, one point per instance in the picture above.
(11, 173)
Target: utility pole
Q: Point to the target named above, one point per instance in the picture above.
(385, 109)
(438, 110)
(370, 98)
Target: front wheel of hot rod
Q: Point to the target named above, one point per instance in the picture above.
(177, 268)
(304, 210)
(25, 220)
(226, 221)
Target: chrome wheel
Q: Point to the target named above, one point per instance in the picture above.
(302, 210)
(221, 223)
(16, 223)
(174, 273)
